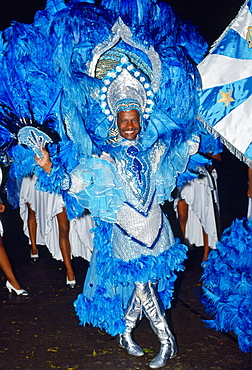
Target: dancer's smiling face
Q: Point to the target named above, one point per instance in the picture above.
(129, 124)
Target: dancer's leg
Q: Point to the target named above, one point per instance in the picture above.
(154, 311)
(64, 227)
(206, 246)
(6, 267)
(131, 317)
(182, 208)
(32, 227)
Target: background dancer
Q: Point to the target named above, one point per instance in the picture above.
(12, 283)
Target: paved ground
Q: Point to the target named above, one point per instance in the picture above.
(42, 332)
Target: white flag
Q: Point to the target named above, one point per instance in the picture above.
(225, 98)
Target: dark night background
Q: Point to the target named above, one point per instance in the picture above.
(212, 17)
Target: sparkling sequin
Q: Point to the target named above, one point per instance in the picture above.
(76, 185)
(127, 248)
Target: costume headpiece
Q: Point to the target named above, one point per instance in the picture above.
(125, 88)
(93, 39)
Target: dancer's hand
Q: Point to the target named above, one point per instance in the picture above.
(45, 161)
(2, 208)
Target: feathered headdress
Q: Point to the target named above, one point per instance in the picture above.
(66, 49)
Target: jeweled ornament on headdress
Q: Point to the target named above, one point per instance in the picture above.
(126, 88)
(120, 31)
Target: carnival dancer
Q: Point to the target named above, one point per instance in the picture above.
(135, 254)
(196, 200)
(12, 283)
(127, 91)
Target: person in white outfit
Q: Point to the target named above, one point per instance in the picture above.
(195, 205)
(46, 223)
(12, 283)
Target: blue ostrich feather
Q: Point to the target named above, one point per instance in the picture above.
(227, 291)
(54, 6)
(29, 89)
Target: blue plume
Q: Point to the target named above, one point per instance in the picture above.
(227, 283)
(54, 6)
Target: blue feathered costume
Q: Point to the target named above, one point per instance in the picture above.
(95, 61)
(227, 283)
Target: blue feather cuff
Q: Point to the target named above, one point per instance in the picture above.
(54, 182)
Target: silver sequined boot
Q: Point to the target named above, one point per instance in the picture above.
(132, 315)
(154, 311)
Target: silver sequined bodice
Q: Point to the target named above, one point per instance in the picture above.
(141, 228)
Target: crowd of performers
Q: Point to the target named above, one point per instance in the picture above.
(106, 98)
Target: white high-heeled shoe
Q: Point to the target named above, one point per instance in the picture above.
(19, 292)
(70, 283)
(34, 257)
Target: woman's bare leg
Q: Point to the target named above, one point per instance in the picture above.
(32, 227)
(64, 243)
(206, 246)
(182, 208)
(6, 267)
